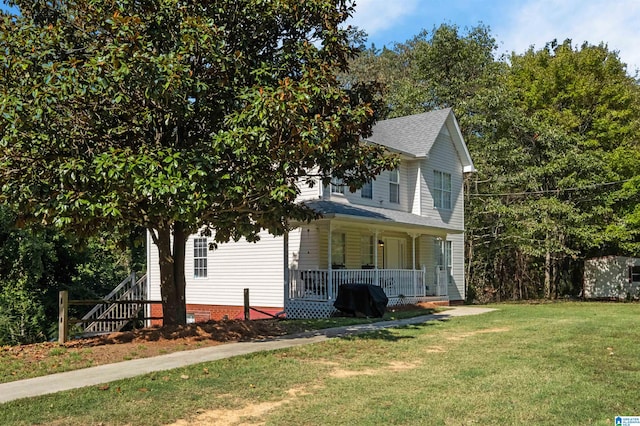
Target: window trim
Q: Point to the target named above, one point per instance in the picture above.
(200, 258)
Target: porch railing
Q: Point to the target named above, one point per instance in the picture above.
(322, 284)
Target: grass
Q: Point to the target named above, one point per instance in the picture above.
(561, 363)
(48, 359)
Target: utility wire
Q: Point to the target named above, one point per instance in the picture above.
(548, 191)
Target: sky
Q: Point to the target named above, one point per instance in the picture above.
(516, 24)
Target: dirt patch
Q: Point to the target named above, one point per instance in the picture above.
(430, 306)
(147, 342)
(394, 366)
(240, 416)
(461, 336)
(243, 416)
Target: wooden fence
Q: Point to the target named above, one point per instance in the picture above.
(63, 312)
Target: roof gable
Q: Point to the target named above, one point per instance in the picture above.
(414, 135)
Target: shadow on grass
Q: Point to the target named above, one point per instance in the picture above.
(381, 330)
(388, 334)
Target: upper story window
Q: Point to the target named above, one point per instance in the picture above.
(337, 186)
(441, 190)
(367, 190)
(394, 186)
(200, 257)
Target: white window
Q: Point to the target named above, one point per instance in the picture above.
(338, 252)
(337, 186)
(200, 250)
(394, 186)
(366, 251)
(441, 190)
(367, 190)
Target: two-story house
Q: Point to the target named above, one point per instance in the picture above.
(402, 231)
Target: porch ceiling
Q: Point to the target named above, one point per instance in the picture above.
(379, 216)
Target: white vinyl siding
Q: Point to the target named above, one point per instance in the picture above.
(444, 158)
(456, 288)
(200, 252)
(380, 190)
(307, 192)
(235, 266)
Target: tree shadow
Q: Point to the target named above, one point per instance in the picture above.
(388, 333)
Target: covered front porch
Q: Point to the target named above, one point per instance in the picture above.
(311, 293)
(411, 262)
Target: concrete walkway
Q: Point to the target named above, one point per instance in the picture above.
(122, 370)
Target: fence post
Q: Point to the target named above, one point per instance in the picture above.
(63, 316)
(246, 304)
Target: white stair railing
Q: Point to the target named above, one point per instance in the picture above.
(112, 317)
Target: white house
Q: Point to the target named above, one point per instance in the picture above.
(612, 277)
(403, 231)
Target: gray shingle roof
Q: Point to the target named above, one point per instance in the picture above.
(332, 209)
(412, 134)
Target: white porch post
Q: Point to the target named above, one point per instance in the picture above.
(286, 268)
(413, 259)
(330, 273)
(375, 257)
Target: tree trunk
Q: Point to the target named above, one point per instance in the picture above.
(467, 276)
(172, 276)
(547, 275)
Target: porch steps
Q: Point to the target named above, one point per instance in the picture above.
(112, 317)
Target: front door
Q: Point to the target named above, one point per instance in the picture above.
(394, 253)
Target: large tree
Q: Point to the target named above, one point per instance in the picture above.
(554, 134)
(177, 116)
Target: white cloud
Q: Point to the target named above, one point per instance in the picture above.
(374, 16)
(536, 22)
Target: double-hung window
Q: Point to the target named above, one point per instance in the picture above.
(367, 251)
(200, 250)
(394, 186)
(367, 190)
(337, 186)
(441, 190)
(338, 251)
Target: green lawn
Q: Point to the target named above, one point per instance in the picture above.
(561, 363)
(48, 358)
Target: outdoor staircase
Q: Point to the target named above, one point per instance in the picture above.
(111, 317)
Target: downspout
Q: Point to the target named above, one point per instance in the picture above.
(330, 273)
(413, 259)
(286, 269)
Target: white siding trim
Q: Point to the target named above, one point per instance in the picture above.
(416, 207)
